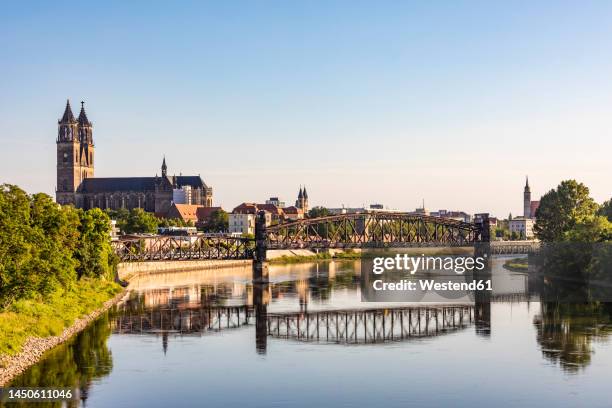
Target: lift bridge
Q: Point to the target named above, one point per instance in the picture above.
(363, 230)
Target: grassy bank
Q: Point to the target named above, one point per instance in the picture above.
(50, 316)
(517, 264)
(285, 259)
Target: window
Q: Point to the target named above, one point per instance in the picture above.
(65, 160)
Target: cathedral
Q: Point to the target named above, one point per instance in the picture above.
(76, 184)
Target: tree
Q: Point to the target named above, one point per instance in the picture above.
(316, 212)
(45, 247)
(593, 229)
(56, 229)
(94, 253)
(561, 209)
(16, 245)
(135, 221)
(606, 209)
(217, 222)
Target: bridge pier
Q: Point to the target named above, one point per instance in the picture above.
(260, 306)
(482, 298)
(260, 266)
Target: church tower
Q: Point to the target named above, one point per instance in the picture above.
(302, 200)
(527, 199)
(75, 154)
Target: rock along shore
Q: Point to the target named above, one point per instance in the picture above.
(35, 347)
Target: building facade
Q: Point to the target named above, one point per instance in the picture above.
(76, 184)
(522, 226)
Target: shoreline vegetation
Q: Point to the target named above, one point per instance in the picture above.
(321, 256)
(35, 339)
(57, 270)
(517, 264)
(351, 254)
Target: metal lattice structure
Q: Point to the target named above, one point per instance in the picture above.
(336, 326)
(370, 326)
(162, 248)
(362, 230)
(183, 320)
(375, 230)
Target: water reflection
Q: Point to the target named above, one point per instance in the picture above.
(75, 364)
(566, 332)
(311, 304)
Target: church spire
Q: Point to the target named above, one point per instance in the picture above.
(68, 117)
(305, 193)
(164, 168)
(527, 188)
(83, 116)
(300, 194)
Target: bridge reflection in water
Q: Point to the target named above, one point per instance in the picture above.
(357, 326)
(303, 302)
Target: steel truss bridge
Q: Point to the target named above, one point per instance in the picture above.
(338, 326)
(364, 230)
(163, 248)
(372, 230)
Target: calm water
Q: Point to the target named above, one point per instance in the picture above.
(210, 339)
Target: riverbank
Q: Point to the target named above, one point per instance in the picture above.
(517, 265)
(321, 256)
(29, 328)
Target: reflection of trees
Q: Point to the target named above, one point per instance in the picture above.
(566, 331)
(574, 284)
(74, 364)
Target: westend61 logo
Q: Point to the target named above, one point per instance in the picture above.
(408, 278)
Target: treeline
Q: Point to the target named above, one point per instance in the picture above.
(569, 214)
(45, 246)
(138, 221)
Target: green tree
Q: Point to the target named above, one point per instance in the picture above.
(94, 253)
(606, 209)
(592, 229)
(561, 209)
(140, 222)
(217, 222)
(17, 250)
(316, 212)
(57, 237)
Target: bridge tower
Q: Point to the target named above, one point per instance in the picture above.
(260, 266)
(482, 298)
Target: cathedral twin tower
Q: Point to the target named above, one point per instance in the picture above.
(75, 153)
(76, 184)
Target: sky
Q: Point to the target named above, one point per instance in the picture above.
(453, 103)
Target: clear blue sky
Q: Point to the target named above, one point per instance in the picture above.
(363, 102)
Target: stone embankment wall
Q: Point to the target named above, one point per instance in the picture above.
(127, 270)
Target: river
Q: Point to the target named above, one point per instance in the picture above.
(208, 338)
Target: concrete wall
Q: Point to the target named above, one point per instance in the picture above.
(127, 270)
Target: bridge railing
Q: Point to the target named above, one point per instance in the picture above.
(162, 248)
